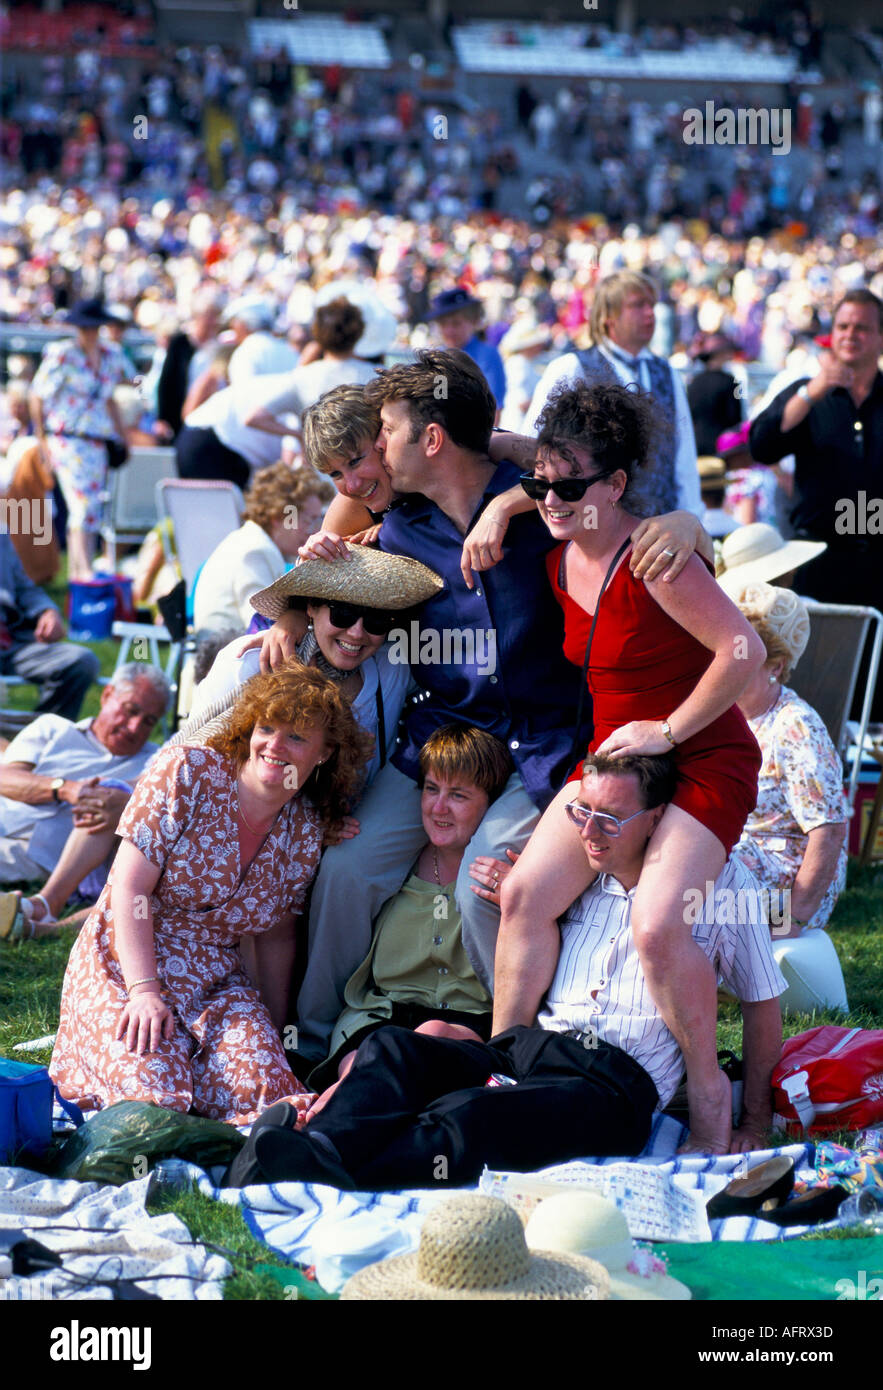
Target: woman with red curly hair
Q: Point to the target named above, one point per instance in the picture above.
(177, 986)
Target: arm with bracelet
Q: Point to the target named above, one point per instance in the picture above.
(146, 1019)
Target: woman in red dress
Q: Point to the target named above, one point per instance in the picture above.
(668, 661)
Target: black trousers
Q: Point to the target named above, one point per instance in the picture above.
(414, 1110)
(199, 453)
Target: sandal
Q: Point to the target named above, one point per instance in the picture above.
(16, 923)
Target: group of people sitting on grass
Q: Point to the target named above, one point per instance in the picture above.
(510, 754)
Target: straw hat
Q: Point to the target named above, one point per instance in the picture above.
(370, 577)
(759, 553)
(584, 1223)
(473, 1247)
(711, 467)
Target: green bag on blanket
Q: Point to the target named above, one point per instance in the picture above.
(128, 1139)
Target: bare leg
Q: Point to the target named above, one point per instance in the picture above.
(82, 853)
(80, 548)
(321, 1101)
(458, 1032)
(549, 876)
(683, 855)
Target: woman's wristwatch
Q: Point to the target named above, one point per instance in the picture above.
(666, 729)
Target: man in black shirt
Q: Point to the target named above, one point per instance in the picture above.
(833, 424)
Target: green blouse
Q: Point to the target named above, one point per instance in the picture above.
(416, 957)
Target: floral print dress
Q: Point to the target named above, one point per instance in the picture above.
(77, 420)
(800, 788)
(225, 1060)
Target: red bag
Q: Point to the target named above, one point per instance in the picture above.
(831, 1078)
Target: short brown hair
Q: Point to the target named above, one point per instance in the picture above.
(657, 774)
(861, 297)
(338, 326)
(441, 388)
(610, 296)
(338, 426)
(299, 695)
(459, 750)
(274, 490)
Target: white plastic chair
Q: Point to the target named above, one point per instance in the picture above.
(826, 674)
(131, 506)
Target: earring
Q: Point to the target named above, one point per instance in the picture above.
(772, 680)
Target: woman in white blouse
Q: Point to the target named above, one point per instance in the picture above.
(283, 507)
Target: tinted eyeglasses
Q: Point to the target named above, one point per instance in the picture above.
(345, 615)
(567, 489)
(607, 824)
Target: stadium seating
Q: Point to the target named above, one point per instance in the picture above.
(321, 40)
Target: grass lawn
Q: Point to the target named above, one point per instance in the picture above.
(30, 988)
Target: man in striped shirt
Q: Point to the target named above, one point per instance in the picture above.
(417, 1109)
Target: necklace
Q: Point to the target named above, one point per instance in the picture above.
(435, 865)
(260, 834)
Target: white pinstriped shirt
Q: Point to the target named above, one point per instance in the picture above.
(599, 987)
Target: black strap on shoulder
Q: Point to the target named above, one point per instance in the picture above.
(584, 686)
(381, 721)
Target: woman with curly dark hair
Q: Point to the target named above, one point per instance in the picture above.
(665, 663)
(177, 985)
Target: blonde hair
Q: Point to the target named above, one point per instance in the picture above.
(610, 296)
(780, 619)
(279, 488)
(338, 426)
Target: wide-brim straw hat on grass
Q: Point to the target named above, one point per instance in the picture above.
(473, 1247)
(369, 577)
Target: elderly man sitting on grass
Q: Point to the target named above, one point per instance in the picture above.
(63, 787)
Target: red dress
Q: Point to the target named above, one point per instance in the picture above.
(643, 666)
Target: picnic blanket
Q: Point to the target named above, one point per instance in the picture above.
(104, 1235)
(339, 1233)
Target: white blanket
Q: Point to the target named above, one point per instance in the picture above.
(112, 1238)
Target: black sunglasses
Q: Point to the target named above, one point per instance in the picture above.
(345, 615)
(566, 489)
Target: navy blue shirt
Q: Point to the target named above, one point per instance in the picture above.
(486, 356)
(491, 656)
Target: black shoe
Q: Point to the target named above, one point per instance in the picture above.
(762, 1189)
(287, 1155)
(810, 1208)
(276, 1152)
(245, 1171)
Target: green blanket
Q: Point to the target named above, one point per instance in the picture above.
(775, 1270)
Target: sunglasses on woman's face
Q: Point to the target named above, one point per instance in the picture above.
(565, 489)
(346, 615)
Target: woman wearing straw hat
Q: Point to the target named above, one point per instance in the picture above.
(177, 985)
(794, 842)
(346, 613)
